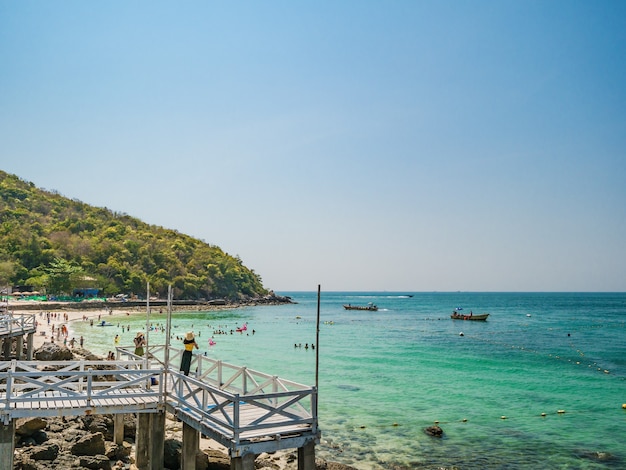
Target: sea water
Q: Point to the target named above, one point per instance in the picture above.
(540, 384)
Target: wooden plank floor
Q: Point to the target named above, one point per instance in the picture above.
(50, 400)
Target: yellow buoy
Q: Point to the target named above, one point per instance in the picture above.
(465, 419)
(624, 406)
(502, 417)
(436, 422)
(543, 414)
(561, 412)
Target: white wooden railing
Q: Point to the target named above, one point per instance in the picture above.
(17, 324)
(76, 387)
(243, 416)
(235, 401)
(232, 403)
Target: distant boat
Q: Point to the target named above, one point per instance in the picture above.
(370, 307)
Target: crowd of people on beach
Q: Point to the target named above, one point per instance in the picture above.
(59, 332)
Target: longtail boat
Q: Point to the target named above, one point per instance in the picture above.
(460, 316)
(370, 307)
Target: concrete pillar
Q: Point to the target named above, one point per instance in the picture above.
(29, 346)
(306, 457)
(118, 428)
(142, 441)
(19, 347)
(191, 445)
(157, 440)
(7, 444)
(246, 462)
(6, 348)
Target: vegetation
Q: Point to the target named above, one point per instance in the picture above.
(56, 244)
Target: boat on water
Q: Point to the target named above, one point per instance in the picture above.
(457, 315)
(369, 307)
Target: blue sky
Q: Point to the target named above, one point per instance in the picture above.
(360, 145)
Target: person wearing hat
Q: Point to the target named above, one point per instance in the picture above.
(189, 342)
(140, 342)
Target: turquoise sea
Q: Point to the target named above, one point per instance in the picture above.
(385, 376)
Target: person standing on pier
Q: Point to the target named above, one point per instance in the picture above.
(190, 343)
(140, 342)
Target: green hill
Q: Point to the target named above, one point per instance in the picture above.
(56, 245)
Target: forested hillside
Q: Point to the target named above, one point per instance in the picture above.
(56, 244)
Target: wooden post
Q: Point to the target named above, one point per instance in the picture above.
(306, 457)
(7, 443)
(157, 440)
(191, 445)
(142, 441)
(245, 462)
(118, 428)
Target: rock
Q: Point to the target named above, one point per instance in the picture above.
(91, 445)
(95, 462)
(130, 425)
(53, 352)
(44, 452)
(40, 437)
(172, 453)
(217, 460)
(434, 431)
(202, 461)
(27, 441)
(118, 452)
(28, 464)
(99, 423)
(28, 426)
(336, 466)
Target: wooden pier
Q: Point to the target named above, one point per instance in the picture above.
(248, 412)
(13, 330)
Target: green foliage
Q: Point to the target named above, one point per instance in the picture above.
(58, 244)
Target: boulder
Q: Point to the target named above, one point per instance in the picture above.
(28, 426)
(95, 462)
(44, 452)
(91, 444)
(28, 464)
(217, 460)
(434, 431)
(119, 452)
(40, 437)
(53, 352)
(99, 423)
(171, 453)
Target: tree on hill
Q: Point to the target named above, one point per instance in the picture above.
(52, 242)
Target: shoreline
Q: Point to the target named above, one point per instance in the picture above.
(64, 313)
